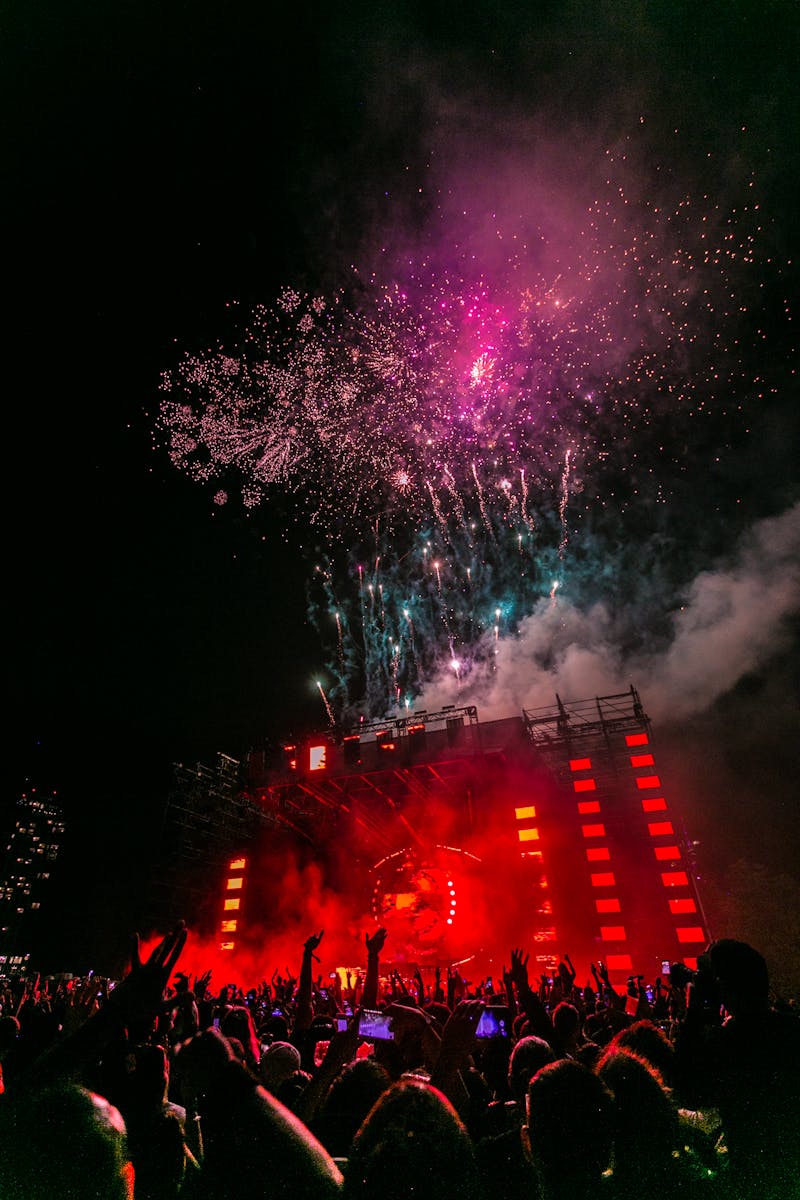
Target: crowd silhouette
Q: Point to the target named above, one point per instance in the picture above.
(162, 1087)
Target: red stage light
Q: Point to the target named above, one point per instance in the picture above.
(580, 764)
(675, 879)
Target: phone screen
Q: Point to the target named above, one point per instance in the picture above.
(341, 1024)
(375, 1026)
(493, 1023)
(665, 967)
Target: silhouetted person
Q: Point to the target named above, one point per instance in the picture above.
(737, 1053)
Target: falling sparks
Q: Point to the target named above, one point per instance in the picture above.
(476, 436)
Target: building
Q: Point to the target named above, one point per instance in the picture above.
(31, 852)
(551, 830)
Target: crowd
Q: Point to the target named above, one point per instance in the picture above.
(376, 1086)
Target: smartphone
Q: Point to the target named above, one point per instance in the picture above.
(341, 1024)
(665, 967)
(493, 1023)
(215, 1022)
(375, 1026)
(648, 991)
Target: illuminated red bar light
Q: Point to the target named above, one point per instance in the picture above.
(613, 933)
(657, 804)
(619, 962)
(682, 906)
(580, 764)
(637, 739)
(584, 785)
(648, 781)
(589, 806)
(598, 854)
(690, 933)
(667, 853)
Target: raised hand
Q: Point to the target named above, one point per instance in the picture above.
(312, 942)
(80, 1004)
(140, 993)
(201, 983)
(519, 970)
(375, 943)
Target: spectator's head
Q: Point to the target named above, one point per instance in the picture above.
(646, 1040)
(568, 1132)
(274, 1029)
(566, 1022)
(741, 974)
(291, 1089)
(237, 1024)
(149, 1078)
(9, 1032)
(529, 1055)
(278, 1062)
(439, 1012)
(353, 1093)
(63, 1142)
(411, 1144)
(645, 1120)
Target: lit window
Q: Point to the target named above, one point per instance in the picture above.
(228, 926)
(226, 945)
(588, 806)
(528, 835)
(607, 906)
(235, 885)
(233, 904)
(613, 933)
(667, 853)
(598, 854)
(523, 814)
(238, 864)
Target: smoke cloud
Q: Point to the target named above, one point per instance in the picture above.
(731, 620)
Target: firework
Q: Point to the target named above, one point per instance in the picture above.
(474, 438)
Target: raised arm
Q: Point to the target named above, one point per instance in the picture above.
(305, 1008)
(374, 944)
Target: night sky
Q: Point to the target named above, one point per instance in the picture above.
(163, 161)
